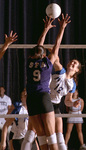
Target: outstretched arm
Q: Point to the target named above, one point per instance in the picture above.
(63, 23)
(57, 65)
(48, 25)
(8, 40)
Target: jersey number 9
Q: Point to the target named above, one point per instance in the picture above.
(36, 75)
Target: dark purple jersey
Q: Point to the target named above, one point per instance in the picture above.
(38, 75)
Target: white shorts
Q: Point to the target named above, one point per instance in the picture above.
(75, 119)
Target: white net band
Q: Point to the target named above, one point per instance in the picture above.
(57, 115)
(63, 46)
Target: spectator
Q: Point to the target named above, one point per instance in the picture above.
(75, 120)
(5, 104)
(19, 125)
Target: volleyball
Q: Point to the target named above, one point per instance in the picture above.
(53, 10)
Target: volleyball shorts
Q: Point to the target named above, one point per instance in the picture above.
(56, 108)
(39, 103)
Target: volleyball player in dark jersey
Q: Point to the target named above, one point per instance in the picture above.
(39, 68)
(8, 40)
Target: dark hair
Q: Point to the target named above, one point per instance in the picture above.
(2, 86)
(77, 73)
(77, 93)
(38, 51)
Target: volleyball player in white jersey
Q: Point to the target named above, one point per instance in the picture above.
(8, 40)
(19, 125)
(63, 23)
(75, 120)
(62, 84)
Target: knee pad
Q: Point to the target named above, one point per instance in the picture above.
(28, 140)
(52, 139)
(30, 136)
(60, 141)
(60, 137)
(42, 140)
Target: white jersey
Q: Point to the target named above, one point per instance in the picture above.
(5, 101)
(60, 86)
(20, 125)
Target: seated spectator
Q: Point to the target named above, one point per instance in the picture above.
(19, 125)
(5, 104)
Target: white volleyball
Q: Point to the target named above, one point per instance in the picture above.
(53, 10)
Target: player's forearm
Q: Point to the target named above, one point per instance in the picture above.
(68, 100)
(68, 103)
(3, 49)
(58, 41)
(42, 37)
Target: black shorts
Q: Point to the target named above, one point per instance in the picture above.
(11, 135)
(17, 143)
(39, 103)
(56, 108)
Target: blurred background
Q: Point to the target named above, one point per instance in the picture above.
(26, 18)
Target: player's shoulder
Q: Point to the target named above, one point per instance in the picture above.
(61, 72)
(7, 97)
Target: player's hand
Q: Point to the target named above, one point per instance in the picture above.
(48, 23)
(12, 38)
(64, 21)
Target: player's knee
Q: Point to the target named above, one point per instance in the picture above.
(61, 141)
(52, 139)
(60, 138)
(30, 136)
(42, 140)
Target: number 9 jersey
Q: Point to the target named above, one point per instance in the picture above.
(38, 75)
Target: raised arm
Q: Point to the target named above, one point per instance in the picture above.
(8, 40)
(63, 23)
(57, 65)
(47, 26)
